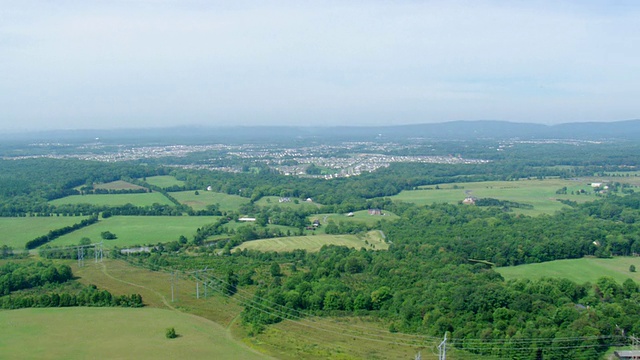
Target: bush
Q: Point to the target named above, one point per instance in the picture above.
(171, 333)
(632, 268)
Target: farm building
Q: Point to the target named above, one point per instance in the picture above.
(375, 212)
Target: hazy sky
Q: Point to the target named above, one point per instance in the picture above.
(141, 63)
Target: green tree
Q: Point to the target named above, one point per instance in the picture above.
(170, 333)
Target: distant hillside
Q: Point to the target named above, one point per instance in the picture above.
(455, 130)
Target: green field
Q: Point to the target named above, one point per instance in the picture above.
(164, 181)
(114, 333)
(358, 216)
(578, 270)
(199, 202)
(16, 231)
(118, 185)
(374, 241)
(137, 230)
(146, 199)
(539, 193)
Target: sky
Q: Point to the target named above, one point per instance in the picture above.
(101, 64)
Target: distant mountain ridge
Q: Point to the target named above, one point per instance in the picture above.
(454, 130)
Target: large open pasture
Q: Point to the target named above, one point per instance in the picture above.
(541, 194)
(16, 231)
(578, 270)
(225, 202)
(114, 333)
(137, 230)
(372, 240)
(164, 181)
(145, 199)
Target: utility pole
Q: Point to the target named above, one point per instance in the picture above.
(80, 256)
(98, 251)
(442, 349)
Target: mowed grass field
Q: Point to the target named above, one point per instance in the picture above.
(137, 230)
(16, 231)
(372, 240)
(145, 199)
(541, 194)
(578, 270)
(225, 202)
(164, 181)
(114, 333)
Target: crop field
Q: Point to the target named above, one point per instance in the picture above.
(114, 333)
(541, 194)
(118, 185)
(146, 199)
(372, 240)
(137, 230)
(275, 200)
(164, 181)
(199, 202)
(578, 270)
(16, 231)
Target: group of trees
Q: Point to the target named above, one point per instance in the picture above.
(88, 296)
(41, 284)
(56, 233)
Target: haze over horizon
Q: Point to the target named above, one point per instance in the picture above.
(159, 63)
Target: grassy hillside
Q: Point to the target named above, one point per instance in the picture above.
(146, 199)
(578, 270)
(199, 202)
(541, 194)
(362, 216)
(16, 231)
(372, 240)
(114, 333)
(164, 181)
(118, 185)
(138, 230)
